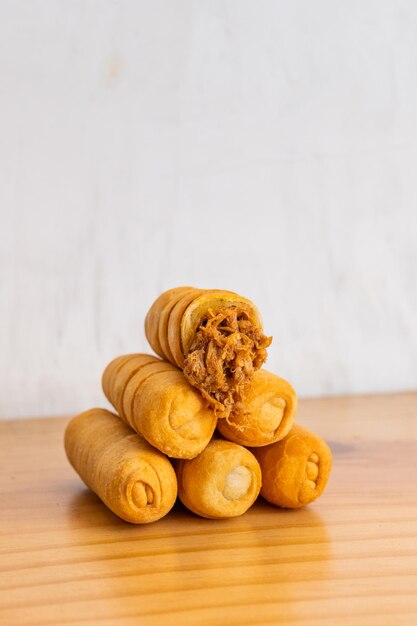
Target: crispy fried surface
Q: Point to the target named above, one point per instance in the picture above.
(227, 349)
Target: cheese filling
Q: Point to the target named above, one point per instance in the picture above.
(237, 483)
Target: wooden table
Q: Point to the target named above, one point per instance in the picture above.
(350, 558)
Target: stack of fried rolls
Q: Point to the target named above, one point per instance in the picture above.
(162, 439)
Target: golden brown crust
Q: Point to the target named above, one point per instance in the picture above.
(154, 398)
(223, 481)
(215, 336)
(164, 320)
(174, 325)
(134, 480)
(154, 313)
(118, 373)
(133, 387)
(110, 371)
(264, 415)
(296, 469)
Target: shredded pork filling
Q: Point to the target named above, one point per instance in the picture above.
(227, 349)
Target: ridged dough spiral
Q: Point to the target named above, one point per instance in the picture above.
(153, 398)
(134, 480)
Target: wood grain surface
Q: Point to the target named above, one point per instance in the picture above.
(350, 558)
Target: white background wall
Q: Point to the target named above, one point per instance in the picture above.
(261, 146)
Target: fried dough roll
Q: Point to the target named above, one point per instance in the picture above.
(215, 336)
(153, 398)
(134, 480)
(223, 481)
(265, 415)
(296, 469)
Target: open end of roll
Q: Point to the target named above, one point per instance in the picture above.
(308, 491)
(227, 349)
(271, 414)
(142, 494)
(237, 483)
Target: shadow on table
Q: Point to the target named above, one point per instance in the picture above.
(264, 558)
